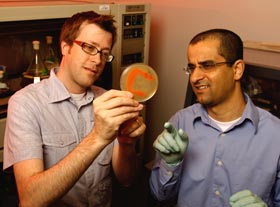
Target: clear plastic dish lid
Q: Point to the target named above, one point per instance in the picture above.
(141, 80)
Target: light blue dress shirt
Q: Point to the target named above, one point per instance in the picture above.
(218, 164)
(44, 122)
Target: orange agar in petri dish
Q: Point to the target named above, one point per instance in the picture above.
(141, 80)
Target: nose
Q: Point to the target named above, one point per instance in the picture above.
(96, 58)
(196, 75)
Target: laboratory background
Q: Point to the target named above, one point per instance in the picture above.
(159, 39)
(175, 22)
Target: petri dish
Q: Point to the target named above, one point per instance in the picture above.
(141, 80)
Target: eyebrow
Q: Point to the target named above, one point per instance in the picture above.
(202, 62)
(205, 61)
(97, 45)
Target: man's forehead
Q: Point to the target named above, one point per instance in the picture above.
(204, 47)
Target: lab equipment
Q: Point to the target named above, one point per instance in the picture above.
(51, 59)
(36, 69)
(141, 80)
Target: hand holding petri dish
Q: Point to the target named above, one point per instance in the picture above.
(141, 80)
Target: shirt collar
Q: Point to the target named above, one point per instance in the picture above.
(58, 91)
(250, 113)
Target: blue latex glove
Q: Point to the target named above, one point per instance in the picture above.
(246, 198)
(171, 144)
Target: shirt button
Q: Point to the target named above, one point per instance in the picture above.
(223, 134)
(220, 163)
(217, 193)
(169, 173)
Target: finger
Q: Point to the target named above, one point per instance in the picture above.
(114, 99)
(131, 125)
(128, 126)
(128, 111)
(170, 128)
(240, 194)
(172, 139)
(183, 135)
(171, 142)
(116, 102)
(168, 142)
(157, 146)
(132, 137)
(138, 132)
(139, 120)
(115, 93)
(164, 144)
(248, 202)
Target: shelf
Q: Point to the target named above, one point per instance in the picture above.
(264, 54)
(266, 46)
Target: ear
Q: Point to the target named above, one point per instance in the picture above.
(64, 48)
(238, 68)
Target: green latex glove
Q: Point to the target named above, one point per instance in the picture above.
(171, 144)
(246, 198)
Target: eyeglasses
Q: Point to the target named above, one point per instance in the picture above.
(92, 50)
(204, 66)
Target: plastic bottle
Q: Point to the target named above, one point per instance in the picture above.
(51, 59)
(36, 69)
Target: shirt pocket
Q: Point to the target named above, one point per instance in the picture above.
(56, 146)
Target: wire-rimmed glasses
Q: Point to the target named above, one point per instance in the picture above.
(204, 66)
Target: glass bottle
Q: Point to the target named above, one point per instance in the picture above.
(3, 85)
(36, 69)
(51, 59)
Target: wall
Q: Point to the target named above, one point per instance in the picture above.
(174, 22)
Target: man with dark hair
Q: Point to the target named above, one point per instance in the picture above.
(63, 135)
(222, 151)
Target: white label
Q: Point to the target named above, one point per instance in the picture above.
(104, 7)
(36, 80)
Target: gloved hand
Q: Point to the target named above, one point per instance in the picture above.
(171, 144)
(246, 198)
